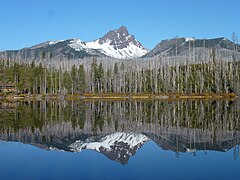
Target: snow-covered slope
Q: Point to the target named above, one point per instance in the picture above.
(131, 51)
(117, 44)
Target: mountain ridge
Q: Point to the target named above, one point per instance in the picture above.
(118, 44)
(184, 45)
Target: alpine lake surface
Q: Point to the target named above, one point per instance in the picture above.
(189, 139)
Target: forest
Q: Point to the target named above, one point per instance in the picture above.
(193, 74)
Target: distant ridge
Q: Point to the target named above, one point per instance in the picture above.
(181, 46)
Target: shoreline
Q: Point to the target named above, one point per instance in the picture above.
(167, 96)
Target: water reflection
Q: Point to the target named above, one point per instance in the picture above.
(118, 129)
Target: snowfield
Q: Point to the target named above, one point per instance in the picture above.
(131, 51)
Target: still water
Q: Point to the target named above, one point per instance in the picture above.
(120, 140)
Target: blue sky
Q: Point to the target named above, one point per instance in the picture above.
(27, 22)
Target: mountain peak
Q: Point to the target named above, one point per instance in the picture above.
(122, 29)
(116, 43)
(116, 37)
(120, 38)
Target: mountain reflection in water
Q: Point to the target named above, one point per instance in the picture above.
(118, 129)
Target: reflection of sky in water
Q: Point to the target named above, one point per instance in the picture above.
(19, 161)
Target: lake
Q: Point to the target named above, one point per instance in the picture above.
(188, 139)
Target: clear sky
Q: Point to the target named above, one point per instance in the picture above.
(28, 22)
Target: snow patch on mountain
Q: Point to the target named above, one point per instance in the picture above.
(189, 39)
(55, 42)
(109, 141)
(77, 44)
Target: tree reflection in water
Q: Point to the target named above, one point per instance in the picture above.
(119, 128)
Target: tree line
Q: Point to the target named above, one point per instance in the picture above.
(183, 75)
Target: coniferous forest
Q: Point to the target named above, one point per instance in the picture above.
(160, 75)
